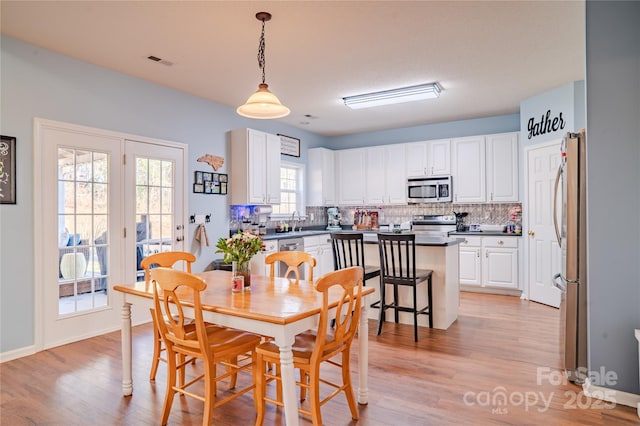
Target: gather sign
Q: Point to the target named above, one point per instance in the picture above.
(547, 124)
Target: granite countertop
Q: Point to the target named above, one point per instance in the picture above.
(370, 237)
(485, 233)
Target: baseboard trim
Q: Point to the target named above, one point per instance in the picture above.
(491, 290)
(611, 395)
(17, 353)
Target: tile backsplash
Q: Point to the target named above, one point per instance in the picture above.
(493, 214)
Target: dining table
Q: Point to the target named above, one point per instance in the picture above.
(276, 307)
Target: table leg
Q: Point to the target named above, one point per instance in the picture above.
(287, 371)
(127, 376)
(363, 354)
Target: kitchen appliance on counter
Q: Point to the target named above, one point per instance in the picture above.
(434, 225)
(571, 233)
(460, 226)
(333, 219)
(429, 190)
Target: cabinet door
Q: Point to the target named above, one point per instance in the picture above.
(256, 167)
(395, 175)
(439, 157)
(321, 182)
(351, 174)
(375, 188)
(502, 167)
(468, 169)
(272, 169)
(470, 266)
(416, 159)
(500, 267)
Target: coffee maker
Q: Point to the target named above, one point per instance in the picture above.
(333, 219)
(460, 226)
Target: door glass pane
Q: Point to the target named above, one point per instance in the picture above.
(82, 230)
(154, 208)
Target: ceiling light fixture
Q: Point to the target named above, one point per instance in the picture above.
(263, 104)
(394, 96)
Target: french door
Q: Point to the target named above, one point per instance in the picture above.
(104, 201)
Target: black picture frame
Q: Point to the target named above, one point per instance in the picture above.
(207, 176)
(7, 170)
(198, 188)
(289, 145)
(223, 188)
(197, 178)
(223, 178)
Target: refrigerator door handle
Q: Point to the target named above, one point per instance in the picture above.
(558, 284)
(555, 204)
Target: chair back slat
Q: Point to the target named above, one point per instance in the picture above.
(345, 316)
(397, 258)
(348, 250)
(166, 260)
(293, 259)
(171, 288)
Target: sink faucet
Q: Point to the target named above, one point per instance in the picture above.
(296, 221)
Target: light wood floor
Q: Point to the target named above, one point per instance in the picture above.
(449, 377)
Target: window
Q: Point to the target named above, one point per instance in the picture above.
(291, 190)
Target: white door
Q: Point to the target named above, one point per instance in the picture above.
(154, 201)
(544, 254)
(80, 219)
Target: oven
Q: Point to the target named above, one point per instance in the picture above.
(429, 190)
(434, 226)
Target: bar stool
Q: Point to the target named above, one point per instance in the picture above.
(348, 251)
(398, 268)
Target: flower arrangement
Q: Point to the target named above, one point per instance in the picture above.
(241, 247)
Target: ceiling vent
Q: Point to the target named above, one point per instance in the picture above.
(160, 60)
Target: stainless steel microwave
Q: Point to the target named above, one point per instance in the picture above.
(429, 190)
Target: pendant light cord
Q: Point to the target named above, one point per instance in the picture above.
(261, 59)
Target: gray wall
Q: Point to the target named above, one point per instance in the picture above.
(37, 82)
(613, 188)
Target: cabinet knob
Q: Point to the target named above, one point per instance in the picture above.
(531, 233)
(500, 242)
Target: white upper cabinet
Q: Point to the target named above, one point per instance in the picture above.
(430, 158)
(351, 176)
(485, 168)
(502, 167)
(385, 175)
(255, 167)
(468, 169)
(439, 159)
(322, 172)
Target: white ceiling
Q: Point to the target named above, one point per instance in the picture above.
(487, 56)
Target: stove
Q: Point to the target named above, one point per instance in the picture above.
(433, 225)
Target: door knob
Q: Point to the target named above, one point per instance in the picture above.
(531, 233)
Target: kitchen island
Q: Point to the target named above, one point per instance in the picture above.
(437, 254)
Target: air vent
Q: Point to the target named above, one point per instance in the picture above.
(160, 60)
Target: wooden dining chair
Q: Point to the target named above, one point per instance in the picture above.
(184, 339)
(293, 260)
(312, 348)
(348, 250)
(166, 260)
(398, 268)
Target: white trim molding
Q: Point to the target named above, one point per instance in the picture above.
(17, 353)
(611, 395)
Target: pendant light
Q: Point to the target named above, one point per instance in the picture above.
(263, 104)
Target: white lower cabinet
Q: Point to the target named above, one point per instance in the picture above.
(319, 246)
(257, 264)
(490, 262)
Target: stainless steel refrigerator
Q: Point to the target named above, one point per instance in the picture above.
(571, 231)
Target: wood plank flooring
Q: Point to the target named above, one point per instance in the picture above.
(461, 376)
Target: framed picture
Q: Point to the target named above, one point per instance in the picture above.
(223, 188)
(215, 189)
(224, 177)
(216, 178)
(198, 177)
(208, 187)
(289, 145)
(198, 188)
(207, 176)
(7, 170)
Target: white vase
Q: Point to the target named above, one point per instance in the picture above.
(73, 265)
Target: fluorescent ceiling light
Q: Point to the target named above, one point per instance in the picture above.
(394, 96)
